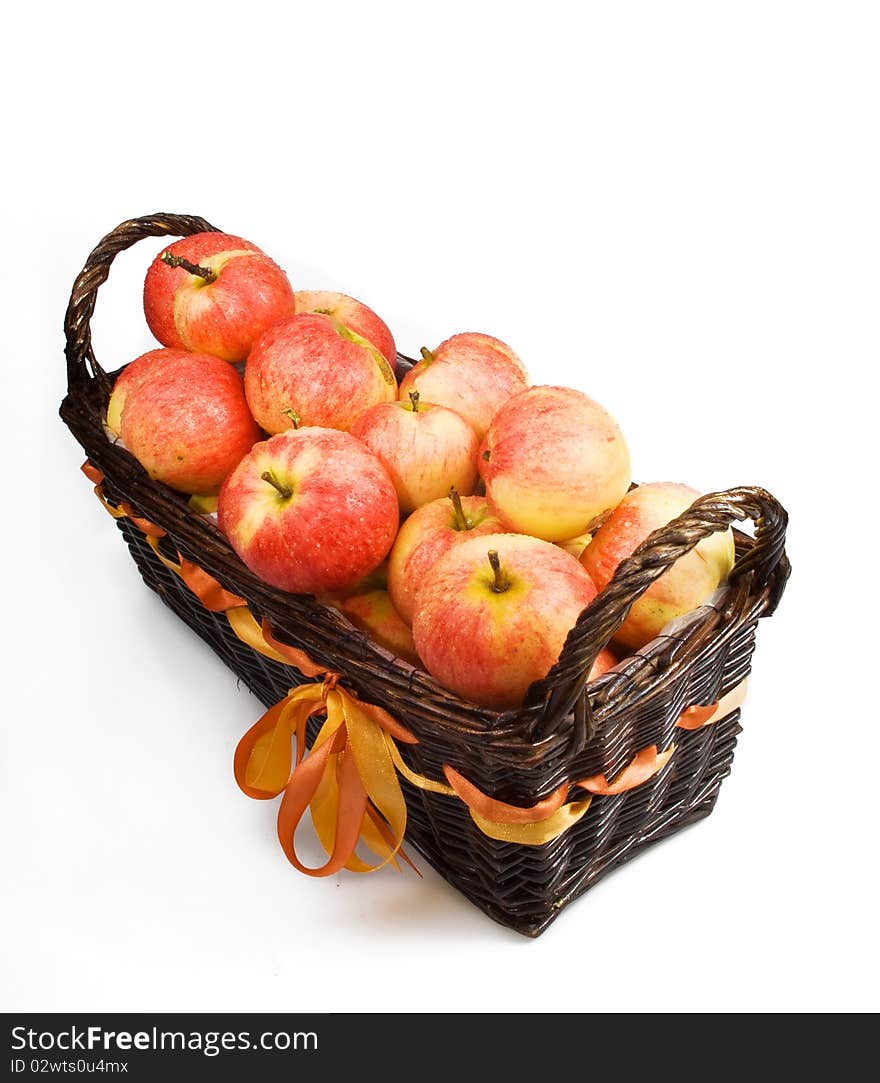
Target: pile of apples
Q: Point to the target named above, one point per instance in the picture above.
(462, 518)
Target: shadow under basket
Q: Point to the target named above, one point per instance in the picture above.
(567, 730)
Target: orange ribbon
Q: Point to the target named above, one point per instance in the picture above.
(511, 823)
(554, 814)
(291, 655)
(205, 587)
(349, 779)
(92, 473)
(694, 718)
(644, 766)
(491, 809)
(123, 510)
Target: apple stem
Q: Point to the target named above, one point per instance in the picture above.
(194, 269)
(461, 520)
(501, 583)
(414, 399)
(294, 416)
(426, 354)
(286, 492)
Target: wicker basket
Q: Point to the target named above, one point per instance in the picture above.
(567, 729)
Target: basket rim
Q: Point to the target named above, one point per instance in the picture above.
(607, 692)
(756, 585)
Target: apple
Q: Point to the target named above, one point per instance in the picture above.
(492, 616)
(203, 504)
(215, 293)
(184, 417)
(426, 449)
(471, 373)
(605, 660)
(369, 607)
(690, 580)
(373, 612)
(309, 510)
(577, 545)
(311, 370)
(553, 462)
(352, 314)
(134, 374)
(432, 530)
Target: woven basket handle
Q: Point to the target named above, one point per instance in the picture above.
(600, 620)
(81, 363)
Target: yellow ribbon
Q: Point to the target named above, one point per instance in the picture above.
(538, 833)
(350, 778)
(242, 622)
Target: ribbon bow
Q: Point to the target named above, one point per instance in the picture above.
(348, 778)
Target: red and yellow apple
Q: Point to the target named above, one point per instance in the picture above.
(492, 616)
(426, 449)
(553, 461)
(215, 293)
(184, 418)
(690, 580)
(369, 607)
(471, 373)
(312, 370)
(373, 612)
(605, 660)
(132, 376)
(353, 314)
(426, 535)
(309, 510)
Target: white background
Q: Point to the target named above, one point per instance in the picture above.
(673, 207)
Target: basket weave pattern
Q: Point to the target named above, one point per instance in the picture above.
(567, 730)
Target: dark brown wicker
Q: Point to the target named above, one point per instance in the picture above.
(567, 730)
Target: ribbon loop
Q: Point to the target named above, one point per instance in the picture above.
(644, 766)
(205, 587)
(263, 760)
(694, 718)
(292, 656)
(511, 823)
